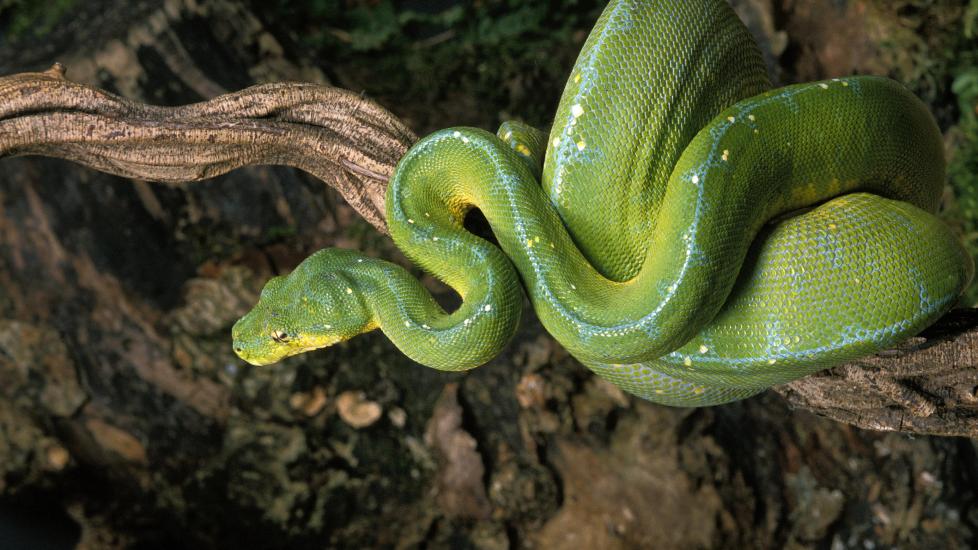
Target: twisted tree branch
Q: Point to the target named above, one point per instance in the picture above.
(346, 140)
(930, 385)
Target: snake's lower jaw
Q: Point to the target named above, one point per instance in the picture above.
(262, 357)
(259, 362)
(256, 357)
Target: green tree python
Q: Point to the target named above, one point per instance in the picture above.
(685, 231)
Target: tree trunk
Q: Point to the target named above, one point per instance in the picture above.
(122, 403)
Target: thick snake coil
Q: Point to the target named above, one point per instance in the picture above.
(685, 231)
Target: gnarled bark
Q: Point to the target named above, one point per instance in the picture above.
(346, 140)
(929, 385)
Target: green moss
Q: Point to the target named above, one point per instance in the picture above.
(934, 49)
(20, 18)
(506, 58)
(962, 169)
(277, 232)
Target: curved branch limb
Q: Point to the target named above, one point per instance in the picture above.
(929, 385)
(348, 141)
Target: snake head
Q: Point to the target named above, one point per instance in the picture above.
(313, 307)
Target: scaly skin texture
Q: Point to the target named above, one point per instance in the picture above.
(640, 228)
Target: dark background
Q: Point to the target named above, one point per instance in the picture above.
(133, 425)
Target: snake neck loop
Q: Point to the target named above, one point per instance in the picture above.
(641, 227)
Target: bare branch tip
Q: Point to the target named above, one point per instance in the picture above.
(57, 70)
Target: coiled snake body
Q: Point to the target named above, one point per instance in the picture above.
(641, 226)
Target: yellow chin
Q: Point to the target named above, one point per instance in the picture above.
(261, 361)
(295, 347)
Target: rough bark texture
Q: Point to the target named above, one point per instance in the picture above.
(346, 140)
(929, 385)
(122, 404)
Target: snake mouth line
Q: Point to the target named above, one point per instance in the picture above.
(276, 355)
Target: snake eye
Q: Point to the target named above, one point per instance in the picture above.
(280, 336)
